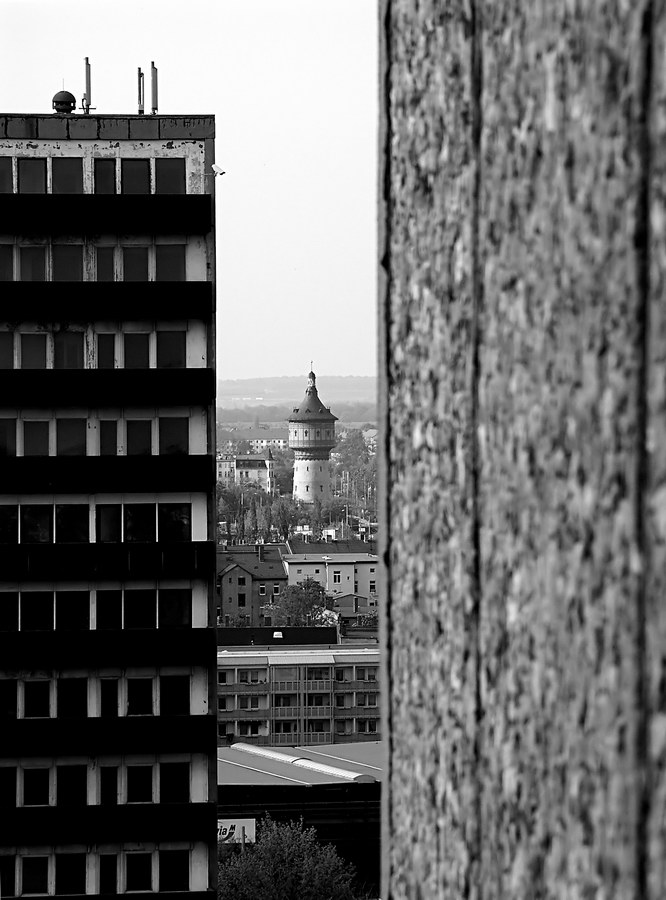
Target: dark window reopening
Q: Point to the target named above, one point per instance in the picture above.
(6, 187)
(36, 699)
(33, 263)
(139, 437)
(170, 262)
(6, 262)
(105, 176)
(9, 619)
(140, 609)
(70, 873)
(174, 870)
(106, 351)
(68, 350)
(71, 437)
(7, 790)
(139, 784)
(175, 695)
(135, 263)
(35, 787)
(108, 873)
(139, 696)
(71, 785)
(174, 436)
(35, 874)
(108, 519)
(169, 176)
(72, 695)
(6, 350)
(66, 175)
(36, 523)
(109, 612)
(138, 871)
(9, 524)
(31, 176)
(174, 521)
(35, 438)
(135, 176)
(175, 607)
(7, 437)
(7, 698)
(175, 782)
(67, 262)
(171, 350)
(108, 785)
(139, 522)
(108, 438)
(136, 350)
(72, 526)
(105, 263)
(72, 610)
(33, 351)
(7, 876)
(108, 693)
(37, 611)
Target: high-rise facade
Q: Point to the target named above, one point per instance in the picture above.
(312, 437)
(107, 555)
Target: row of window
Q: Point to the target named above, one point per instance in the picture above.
(70, 523)
(69, 261)
(312, 673)
(256, 701)
(107, 873)
(102, 610)
(67, 350)
(165, 435)
(72, 697)
(341, 726)
(77, 785)
(64, 175)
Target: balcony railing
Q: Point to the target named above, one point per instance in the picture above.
(367, 712)
(317, 712)
(356, 685)
(317, 685)
(242, 687)
(288, 687)
(259, 715)
(286, 712)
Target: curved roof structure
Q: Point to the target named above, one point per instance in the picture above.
(312, 409)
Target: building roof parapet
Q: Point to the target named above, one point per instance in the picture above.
(110, 127)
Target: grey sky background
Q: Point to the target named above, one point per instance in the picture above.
(293, 86)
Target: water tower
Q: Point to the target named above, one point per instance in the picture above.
(312, 437)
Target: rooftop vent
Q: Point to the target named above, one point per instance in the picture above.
(64, 103)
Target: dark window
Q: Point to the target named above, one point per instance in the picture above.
(9, 611)
(72, 525)
(70, 872)
(71, 437)
(175, 695)
(139, 522)
(174, 436)
(8, 524)
(36, 524)
(135, 264)
(35, 787)
(67, 262)
(105, 263)
(138, 437)
(109, 698)
(169, 176)
(135, 176)
(241, 599)
(138, 871)
(36, 697)
(6, 350)
(139, 696)
(33, 263)
(68, 350)
(175, 607)
(35, 874)
(33, 351)
(108, 785)
(35, 438)
(37, 611)
(71, 785)
(66, 175)
(170, 349)
(7, 876)
(72, 697)
(6, 262)
(105, 176)
(139, 784)
(140, 611)
(7, 698)
(136, 350)
(108, 523)
(170, 262)
(32, 176)
(108, 873)
(7, 437)
(174, 782)
(174, 870)
(174, 521)
(6, 187)
(72, 610)
(108, 442)
(109, 610)
(106, 349)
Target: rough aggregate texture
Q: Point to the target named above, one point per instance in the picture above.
(526, 450)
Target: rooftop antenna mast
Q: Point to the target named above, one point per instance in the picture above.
(141, 92)
(153, 87)
(85, 100)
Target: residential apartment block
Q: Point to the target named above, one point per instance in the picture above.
(107, 628)
(298, 695)
(250, 468)
(339, 573)
(249, 578)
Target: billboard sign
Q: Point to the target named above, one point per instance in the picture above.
(229, 831)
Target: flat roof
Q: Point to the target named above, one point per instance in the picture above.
(334, 558)
(242, 763)
(281, 656)
(92, 127)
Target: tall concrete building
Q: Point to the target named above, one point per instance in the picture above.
(107, 639)
(312, 437)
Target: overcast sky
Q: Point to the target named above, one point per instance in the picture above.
(293, 87)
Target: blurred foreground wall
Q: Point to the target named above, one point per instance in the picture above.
(524, 340)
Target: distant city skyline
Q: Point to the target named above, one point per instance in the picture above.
(293, 85)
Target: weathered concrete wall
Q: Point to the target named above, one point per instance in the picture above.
(524, 334)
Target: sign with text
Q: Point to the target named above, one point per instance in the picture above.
(229, 831)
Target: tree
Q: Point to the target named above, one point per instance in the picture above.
(300, 604)
(286, 863)
(283, 518)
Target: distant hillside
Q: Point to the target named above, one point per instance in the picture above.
(288, 391)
